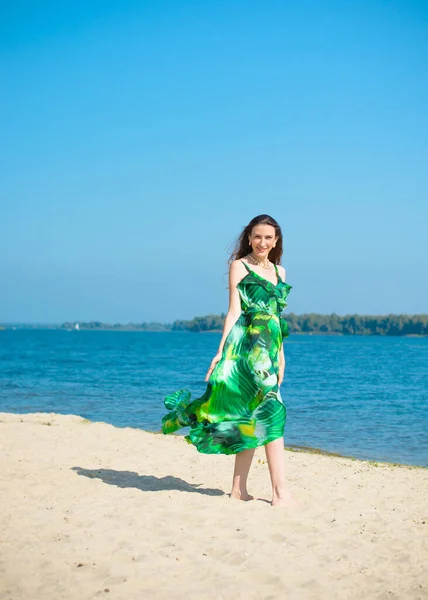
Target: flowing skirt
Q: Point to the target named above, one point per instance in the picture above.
(242, 406)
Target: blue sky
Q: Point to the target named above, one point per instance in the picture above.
(138, 138)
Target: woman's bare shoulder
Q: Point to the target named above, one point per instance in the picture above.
(237, 266)
(282, 272)
(237, 271)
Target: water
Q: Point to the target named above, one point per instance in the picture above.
(359, 396)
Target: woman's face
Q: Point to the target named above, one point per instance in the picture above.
(262, 239)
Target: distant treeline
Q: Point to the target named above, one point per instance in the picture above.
(328, 324)
(359, 324)
(307, 323)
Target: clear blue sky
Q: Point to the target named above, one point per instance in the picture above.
(138, 138)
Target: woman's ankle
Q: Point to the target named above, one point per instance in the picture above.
(241, 495)
(239, 491)
(280, 491)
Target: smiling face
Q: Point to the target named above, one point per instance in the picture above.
(262, 239)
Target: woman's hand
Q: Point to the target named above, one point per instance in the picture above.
(214, 361)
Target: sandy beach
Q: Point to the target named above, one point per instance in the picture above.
(89, 510)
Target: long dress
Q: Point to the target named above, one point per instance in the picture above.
(242, 406)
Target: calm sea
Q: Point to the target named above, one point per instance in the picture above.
(360, 396)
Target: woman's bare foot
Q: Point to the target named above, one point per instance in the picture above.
(237, 495)
(284, 498)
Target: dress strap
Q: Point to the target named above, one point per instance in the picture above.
(279, 278)
(246, 266)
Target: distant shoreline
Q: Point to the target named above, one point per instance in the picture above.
(218, 331)
(303, 324)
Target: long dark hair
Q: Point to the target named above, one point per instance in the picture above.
(242, 245)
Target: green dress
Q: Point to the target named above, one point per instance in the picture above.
(242, 406)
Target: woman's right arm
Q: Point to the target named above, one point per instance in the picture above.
(236, 273)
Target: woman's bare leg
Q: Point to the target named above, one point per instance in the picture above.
(242, 466)
(276, 461)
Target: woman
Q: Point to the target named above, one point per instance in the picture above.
(242, 406)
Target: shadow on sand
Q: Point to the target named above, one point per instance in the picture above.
(145, 483)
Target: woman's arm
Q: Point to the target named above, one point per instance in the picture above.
(236, 273)
(234, 310)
